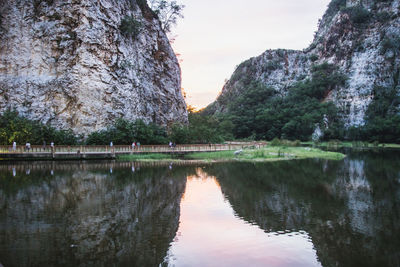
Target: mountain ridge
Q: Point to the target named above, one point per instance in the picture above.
(357, 36)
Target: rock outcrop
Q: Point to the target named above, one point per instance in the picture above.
(67, 64)
(361, 37)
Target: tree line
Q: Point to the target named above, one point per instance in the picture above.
(260, 113)
(17, 128)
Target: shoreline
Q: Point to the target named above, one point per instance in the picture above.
(265, 154)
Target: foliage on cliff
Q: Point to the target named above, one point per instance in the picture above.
(130, 27)
(382, 118)
(264, 113)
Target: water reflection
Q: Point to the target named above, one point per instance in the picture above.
(210, 234)
(298, 213)
(350, 209)
(81, 217)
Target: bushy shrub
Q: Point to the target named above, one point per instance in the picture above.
(358, 14)
(283, 142)
(383, 17)
(130, 27)
(142, 4)
(390, 43)
(124, 132)
(383, 117)
(334, 7)
(272, 65)
(275, 142)
(313, 57)
(334, 143)
(16, 128)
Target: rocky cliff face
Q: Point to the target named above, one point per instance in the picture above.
(361, 37)
(66, 63)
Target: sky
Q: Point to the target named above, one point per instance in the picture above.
(217, 35)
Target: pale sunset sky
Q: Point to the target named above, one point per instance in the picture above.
(217, 35)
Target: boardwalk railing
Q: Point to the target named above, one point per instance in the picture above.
(126, 149)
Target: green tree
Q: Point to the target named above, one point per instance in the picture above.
(16, 128)
(168, 12)
(124, 132)
(383, 116)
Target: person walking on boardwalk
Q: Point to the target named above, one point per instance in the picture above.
(14, 148)
(133, 145)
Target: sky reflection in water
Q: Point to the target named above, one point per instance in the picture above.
(210, 234)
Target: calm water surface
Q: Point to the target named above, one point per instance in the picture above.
(297, 213)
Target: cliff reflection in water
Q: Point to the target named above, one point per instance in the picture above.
(88, 214)
(349, 208)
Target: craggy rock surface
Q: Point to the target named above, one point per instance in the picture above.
(66, 63)
(366, 52)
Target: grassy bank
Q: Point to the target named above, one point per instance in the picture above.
(266, 154)
(269, 154)
(358, 144)
(147, 157)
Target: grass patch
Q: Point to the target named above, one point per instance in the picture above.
(272, 153)
(268, 154)
(219, 155)
(144, 157)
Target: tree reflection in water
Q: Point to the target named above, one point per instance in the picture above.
(83, 215)
(349, 208)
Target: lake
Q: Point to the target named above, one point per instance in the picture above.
(287, 213)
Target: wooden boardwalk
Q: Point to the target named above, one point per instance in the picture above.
(107, 152)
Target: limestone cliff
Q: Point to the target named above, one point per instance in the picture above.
(67, 64)
(361, 37)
